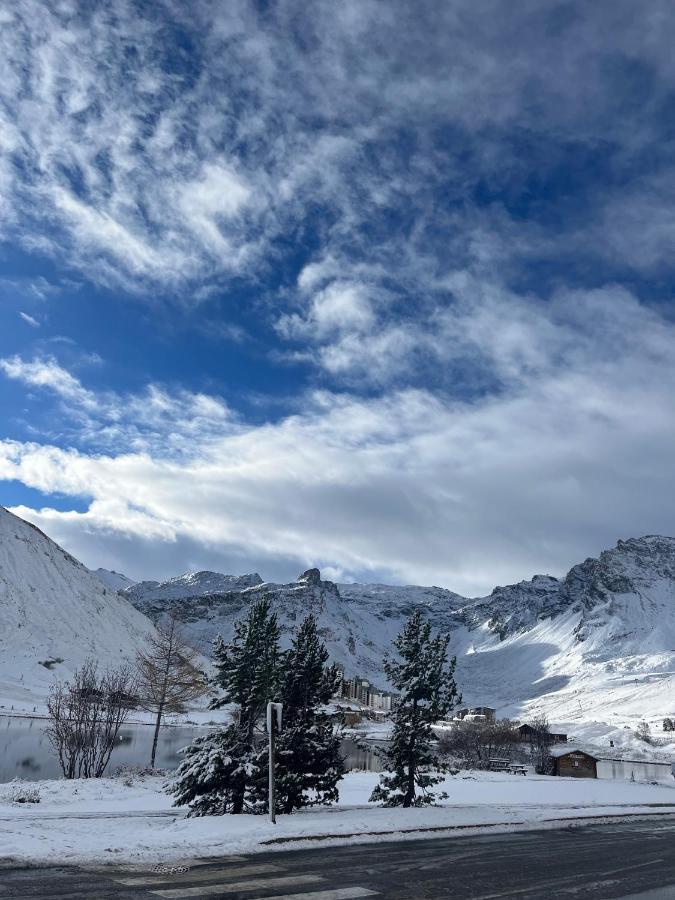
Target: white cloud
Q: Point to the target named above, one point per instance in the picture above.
(153, 420)
(29, 320)
(340, 307)
(139, 164)
(356, 133)
(99, 230)
(47, 373)
(573, 452)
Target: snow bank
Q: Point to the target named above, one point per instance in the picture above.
(107, 820)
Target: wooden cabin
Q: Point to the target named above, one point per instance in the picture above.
(571, 763)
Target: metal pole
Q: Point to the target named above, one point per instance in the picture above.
(273, 717)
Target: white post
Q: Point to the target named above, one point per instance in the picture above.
(273, 718)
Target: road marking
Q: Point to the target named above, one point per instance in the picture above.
(352, 893)
(234, 886)
(214, 875)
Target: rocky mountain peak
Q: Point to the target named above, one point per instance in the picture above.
(311, 576)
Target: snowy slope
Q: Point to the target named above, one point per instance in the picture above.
(54, 613)
(114, 580)
(598, 645)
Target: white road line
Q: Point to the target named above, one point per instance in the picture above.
(234, 886)
(215, 875)
(352, 893)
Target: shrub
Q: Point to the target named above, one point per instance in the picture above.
(21, 793)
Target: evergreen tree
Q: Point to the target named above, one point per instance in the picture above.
(309, 765)
(216, 773)
(425, 680)
(220, 772)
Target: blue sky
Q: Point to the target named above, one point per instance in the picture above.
(383, 288)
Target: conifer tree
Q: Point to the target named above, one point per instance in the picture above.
(309, 765)
(220, 771)
(168, 674)
(425, 680)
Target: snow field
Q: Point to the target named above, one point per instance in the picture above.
(107, 821)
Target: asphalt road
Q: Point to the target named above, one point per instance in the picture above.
(623, 860)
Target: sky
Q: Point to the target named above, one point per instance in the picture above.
(384, 288)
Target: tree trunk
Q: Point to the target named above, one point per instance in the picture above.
(409, 797)
(158, 723)
(238, 795)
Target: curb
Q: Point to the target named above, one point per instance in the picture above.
(456, 828)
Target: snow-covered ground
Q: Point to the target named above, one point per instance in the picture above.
(107, 820)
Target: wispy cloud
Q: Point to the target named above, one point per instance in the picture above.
(574, 450)
(146, 163)
(454, 215)
(154, 420)
(29, 320)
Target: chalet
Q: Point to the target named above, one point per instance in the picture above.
(528, 734)
(573, 763)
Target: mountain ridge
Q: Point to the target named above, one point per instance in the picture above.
(579, 641)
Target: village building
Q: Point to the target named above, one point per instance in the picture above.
(362, 691)
(476, 714)
(528, 734)
(572, 762)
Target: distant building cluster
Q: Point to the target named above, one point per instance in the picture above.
(476, 714)
(529, 735)
(361, 690)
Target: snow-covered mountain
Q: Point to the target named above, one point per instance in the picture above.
(599, 643)
(114, 580)
(54, 613)
(192, 584)
(596, 645)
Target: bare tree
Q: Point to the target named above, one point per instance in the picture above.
(168, 674)
(85, 716)
(541, 744)
(476, 743)
(644, 733)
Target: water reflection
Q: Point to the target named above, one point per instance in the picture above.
(25, 751)
(360, 756)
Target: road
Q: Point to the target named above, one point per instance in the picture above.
(633, 861)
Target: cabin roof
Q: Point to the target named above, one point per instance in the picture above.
(557, 752)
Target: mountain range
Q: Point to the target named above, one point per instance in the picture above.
(596, 645)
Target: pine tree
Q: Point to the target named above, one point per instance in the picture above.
(425, 680)
(309, 765)
(221, 771)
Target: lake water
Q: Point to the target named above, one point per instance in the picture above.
(25, 751)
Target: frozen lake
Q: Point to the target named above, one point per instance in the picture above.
(25, 751)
